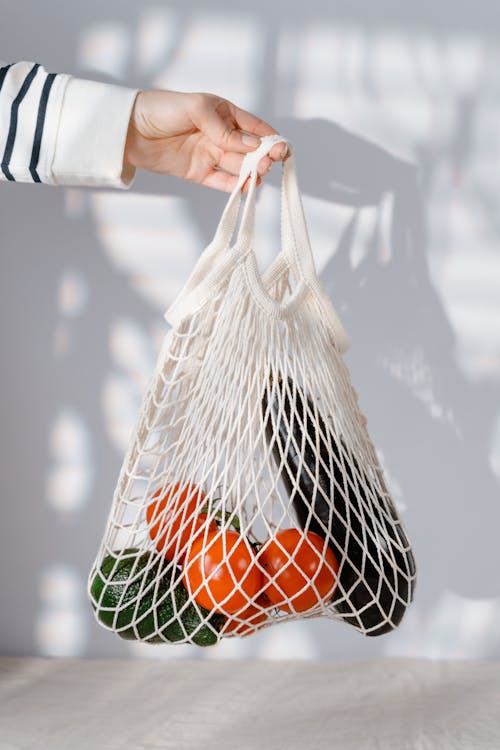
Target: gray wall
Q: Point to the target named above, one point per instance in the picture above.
(394, 109)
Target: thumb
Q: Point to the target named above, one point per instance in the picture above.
(219, 126)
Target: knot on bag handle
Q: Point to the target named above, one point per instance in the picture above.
(251, 160)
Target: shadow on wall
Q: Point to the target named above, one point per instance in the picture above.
(37, 383)
(431, 425)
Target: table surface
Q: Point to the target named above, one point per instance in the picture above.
(238, 705)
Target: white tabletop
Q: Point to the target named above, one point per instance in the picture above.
(236, 705)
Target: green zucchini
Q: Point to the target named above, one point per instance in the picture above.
(332, 496)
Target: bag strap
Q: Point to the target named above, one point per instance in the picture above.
(297, 249)
(217, 259)
(200, 283)
(296, 252)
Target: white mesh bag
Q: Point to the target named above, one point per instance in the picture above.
(251, 493)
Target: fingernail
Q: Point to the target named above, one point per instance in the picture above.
(250, 140)
(283, 151)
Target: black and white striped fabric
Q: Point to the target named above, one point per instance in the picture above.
(57, 129)
(25, 91)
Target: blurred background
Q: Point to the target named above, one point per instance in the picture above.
(394, 111)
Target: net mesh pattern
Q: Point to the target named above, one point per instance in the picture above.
(251, 493)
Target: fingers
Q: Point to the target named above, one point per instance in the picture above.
(253, 125)
(232, 162)
(226, 182)
(250, 123)
(231, 128)
(278, 151)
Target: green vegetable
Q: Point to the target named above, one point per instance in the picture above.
(326, 485)
(140, 588)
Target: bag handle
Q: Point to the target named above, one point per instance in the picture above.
(200, 282)
(296, 251)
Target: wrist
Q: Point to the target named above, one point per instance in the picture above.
(130, 156)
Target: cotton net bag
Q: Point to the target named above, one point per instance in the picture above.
(251, 493)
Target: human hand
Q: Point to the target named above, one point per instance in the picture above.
(195, 136)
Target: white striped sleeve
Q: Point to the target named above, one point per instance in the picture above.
(61, 130)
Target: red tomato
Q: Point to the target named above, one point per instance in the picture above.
(220, 572)
(174, 519)
(302, 568)
(251, 617)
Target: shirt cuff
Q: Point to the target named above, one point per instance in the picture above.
(91, 135)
